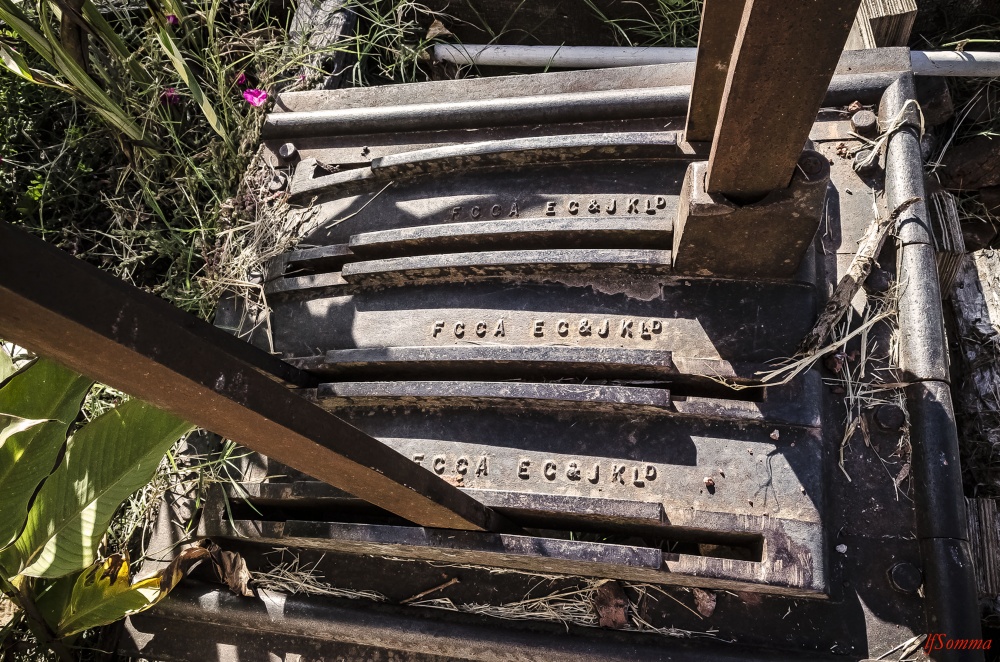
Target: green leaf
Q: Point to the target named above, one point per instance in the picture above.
(37, 405)
(102, 595)
(114, 42)
(6, 365)
(177, 59)
(17, 65)
(87, 86)
(106, 461)
(12, 15)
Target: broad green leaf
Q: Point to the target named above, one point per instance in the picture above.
(14, 424)
(17, 65)
(6, 365)
(106, 461)
(177, 59)
(102, 595)
(37, 405)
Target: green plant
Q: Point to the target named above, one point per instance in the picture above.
(668, 23)
(389, 43)
(137, 150)
(61, 482)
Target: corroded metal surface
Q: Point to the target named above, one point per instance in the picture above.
(506, 319)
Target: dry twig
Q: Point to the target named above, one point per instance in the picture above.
(861, 266)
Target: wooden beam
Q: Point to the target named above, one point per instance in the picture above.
(101, 327)
(785, 56)
(720, 23)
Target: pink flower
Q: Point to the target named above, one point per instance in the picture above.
(173, 20)
(169, 97)
(255, 98)
(241, 79)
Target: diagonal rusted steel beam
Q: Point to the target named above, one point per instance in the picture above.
(110, 331)
(784, 57)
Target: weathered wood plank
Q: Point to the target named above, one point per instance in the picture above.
(976, 303)
(984, 541)
(883, 23)
(720, 23)
(785, 56)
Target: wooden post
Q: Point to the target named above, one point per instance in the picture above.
(720, 23)
(785, 56)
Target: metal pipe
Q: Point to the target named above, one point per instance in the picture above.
(545, 108)
(950, 604)
(954, 63)
(635, 103)
(560, 57)
(925, 63)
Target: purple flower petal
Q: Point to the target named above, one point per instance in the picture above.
(173, 20)
(169, 97)
(254, 97)
(241, 79)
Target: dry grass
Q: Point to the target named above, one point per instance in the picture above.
(869, 377)
(293, 577)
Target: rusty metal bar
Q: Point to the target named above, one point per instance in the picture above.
(720, 23)
(784, 59)
(110, 331)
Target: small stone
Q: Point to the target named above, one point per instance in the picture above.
(842, 548)
(775, 435)
(704, 601)
(709, 482)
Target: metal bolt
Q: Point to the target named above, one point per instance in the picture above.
(864, 123)
(890, 417)
(811, 164)
(905, 577)
(288, 153)
(862, 164)
(278, 182)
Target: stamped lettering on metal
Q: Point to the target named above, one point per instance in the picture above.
(560, 206)
(558, 328)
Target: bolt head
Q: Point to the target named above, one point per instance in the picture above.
(905, 577)
(811, 164)
(861, 162)
(878, 281)
(278, 182)
(288, 152)
(864, 123)
(890, 417)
